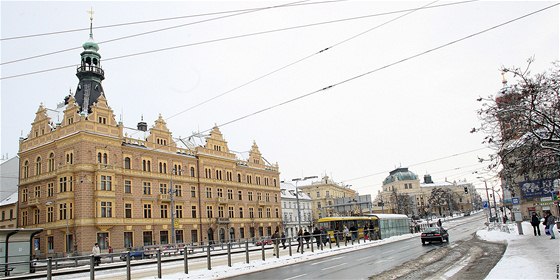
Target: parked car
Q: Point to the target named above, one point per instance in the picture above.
(135, 254)
(266, 241)
(434, 234)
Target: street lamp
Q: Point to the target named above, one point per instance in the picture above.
(297, 196)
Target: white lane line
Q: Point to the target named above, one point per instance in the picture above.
(390, 251)
(327, 260)
(334, 266)
(297, 276)
(365, 258)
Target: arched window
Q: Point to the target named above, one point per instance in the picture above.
(104, 158)
(25, 169)
(38, 166)
(126, 163)
(99, 158)
(51, 162)
(192, 171)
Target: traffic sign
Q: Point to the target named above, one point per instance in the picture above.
(485, 204)
(515, 200)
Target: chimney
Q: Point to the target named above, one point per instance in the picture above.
(428, 179)
(142, 125)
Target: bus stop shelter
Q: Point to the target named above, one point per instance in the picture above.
(16, 250)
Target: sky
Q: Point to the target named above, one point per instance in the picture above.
(526, 257)
(259, 75)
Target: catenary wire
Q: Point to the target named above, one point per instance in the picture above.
(205, 42)
(153, 20)
(147, 32)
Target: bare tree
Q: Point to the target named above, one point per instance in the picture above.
(522, 125)
(439, 198)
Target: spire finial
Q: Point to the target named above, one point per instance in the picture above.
(504, 81)
(90, 12)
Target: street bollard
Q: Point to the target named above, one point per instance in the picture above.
(290, 246)
(229, 254)
(158, 263)
(262, 250)
(186, 255)
(49, 268)
(128, 265)
(312, 245)
(247, 251)
(91, 267)
(208, 258)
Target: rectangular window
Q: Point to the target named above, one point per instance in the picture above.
(50, 214)
(240, 212)
(127, 186)
(128, 210)
(209, 212)
(105, 184)
(163, 211)
(193, 191)
(163, 188)
(230, 212)
(220, 211)
(179, 211)
(37, 191)
(50, 189)
(128, 241)
(164, 237)
(147, 188)
(220, 192)
(106, 209)
(147, 238)
(178, 190)
(193, 211)
(251, 213)
(50, 244)
(147, 211)
(179, 236)
(250, 196)
(260, 212)
(268, 212)
(62, 184)
(194, 235)
(208, 192)
(230, 194)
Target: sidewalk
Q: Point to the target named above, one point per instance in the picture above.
(527, 256)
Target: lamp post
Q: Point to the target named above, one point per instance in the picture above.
(297, 196)
(488, 197)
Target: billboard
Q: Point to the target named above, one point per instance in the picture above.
(539, 188)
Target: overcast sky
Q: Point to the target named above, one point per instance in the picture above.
(415, 113)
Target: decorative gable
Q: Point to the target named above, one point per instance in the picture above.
(101, 112)
(40, 125)
(71, 113)
(160, 135)
(255, 157)
(216, 141)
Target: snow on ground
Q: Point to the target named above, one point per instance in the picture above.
(527, 256)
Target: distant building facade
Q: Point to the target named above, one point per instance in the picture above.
(290, 217)
(323, 194)
(90, 179)
(8, 210)
(402, 193)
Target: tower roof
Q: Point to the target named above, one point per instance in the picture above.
(400, 174)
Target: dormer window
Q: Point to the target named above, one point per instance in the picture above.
(161, 141)
(70, 120)
(102, 120)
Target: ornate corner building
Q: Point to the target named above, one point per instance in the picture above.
(90, 179)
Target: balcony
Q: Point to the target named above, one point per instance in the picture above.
(33, 202)
(164, 197)
(223, 220)
(222, 200)
(261, 203)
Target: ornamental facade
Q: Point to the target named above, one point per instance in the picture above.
(90, 179)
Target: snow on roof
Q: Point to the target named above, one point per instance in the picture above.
(287, 190)
(436, 184)
(13, 198)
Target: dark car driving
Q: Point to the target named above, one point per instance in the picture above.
(135, 254)
(431, 234)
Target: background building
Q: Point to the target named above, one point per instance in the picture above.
(323, 194)
(9, 174)
(86, 178)
(290, 216)
(402, 193)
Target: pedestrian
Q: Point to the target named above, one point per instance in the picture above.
(276, 241)
(307, 237)
(346, 233)
(535, 222)
(317, 236)
(300, 240)
(353, 232)
(96, 252)
(283, 241)
(324, 236)
(439, 223)
(550, 222)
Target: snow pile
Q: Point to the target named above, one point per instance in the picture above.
(527, 256)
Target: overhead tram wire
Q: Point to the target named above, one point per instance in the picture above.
(294, 62)
(382, 67)
(150, 32)
(297, 61)
(371, 72)
(210, 41)
(156, 20)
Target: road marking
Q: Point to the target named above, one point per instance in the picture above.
(327, 260)
(331, 267)
(366, 258)
(297, 276)
(390, 251)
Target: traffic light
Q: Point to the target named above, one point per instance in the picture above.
(466, 190)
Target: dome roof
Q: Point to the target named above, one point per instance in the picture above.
(90, 45)
(400, 174)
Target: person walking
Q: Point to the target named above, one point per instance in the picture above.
(439, 223)
(550, 222)
(307, 237)
(283, 241)
(96, 252)
(276, 241)
(535, 222)
(317, 236)
(346, 233)
(300, 240)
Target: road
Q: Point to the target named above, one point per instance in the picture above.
(367, 262)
